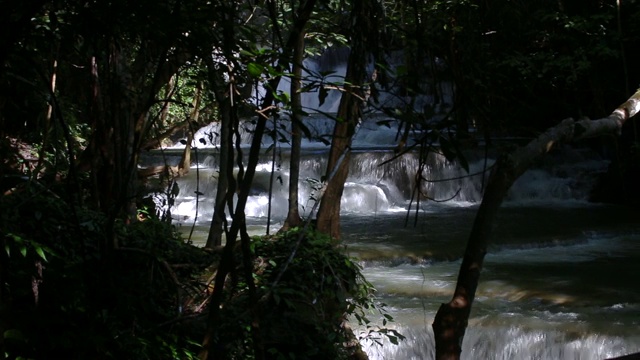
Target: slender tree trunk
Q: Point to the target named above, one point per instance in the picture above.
(168, 94)
(185, 161)
(349, 116)
(328, 219)
(125, 116)
(47, 120)
(225, 165)
(451, 320)
(239, 218)
(4, 259)
(293, 215)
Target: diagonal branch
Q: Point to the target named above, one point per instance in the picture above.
(451, 320)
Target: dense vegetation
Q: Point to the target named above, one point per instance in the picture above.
(86, 271)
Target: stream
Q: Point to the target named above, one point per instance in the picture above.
(559, 281)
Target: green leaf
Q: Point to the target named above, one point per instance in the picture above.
(40, 253)
(247, 53)
(23, 250)
(14, 334)
(285, 98)
(255, 69)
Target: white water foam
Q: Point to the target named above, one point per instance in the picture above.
(506, 344)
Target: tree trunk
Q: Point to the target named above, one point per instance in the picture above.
(168, 94)
(349, 116)
(120, 100)
(239, 220)
(155, 141)
(293, 215)
(328, 220)
(225, 173)
(451, 320)
(185, 161)
(46, 129)
(4, 303)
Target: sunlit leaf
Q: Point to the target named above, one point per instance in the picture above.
(40, 253)
(255, 69)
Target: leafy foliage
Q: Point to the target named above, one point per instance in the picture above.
(61, 302)
(85, 86)
(304, 301)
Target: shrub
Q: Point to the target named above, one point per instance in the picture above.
(307, 289)
(64, 297)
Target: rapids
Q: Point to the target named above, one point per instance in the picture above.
(559, 281)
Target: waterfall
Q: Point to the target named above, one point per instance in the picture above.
(378, 182)
(551, 287)
(370, 187)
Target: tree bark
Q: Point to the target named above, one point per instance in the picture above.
(349, 116)
(293, 215)
(239, 220)
(185, 162)
(225, 174)
(451, 320)
(4, 260)
(156, 140)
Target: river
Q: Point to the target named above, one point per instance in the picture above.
(559, 281)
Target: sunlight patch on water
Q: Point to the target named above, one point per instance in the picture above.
(412, 281)
(499, 289)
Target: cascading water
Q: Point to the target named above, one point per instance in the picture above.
(559, 279)
(370, 187)
(556, 284)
